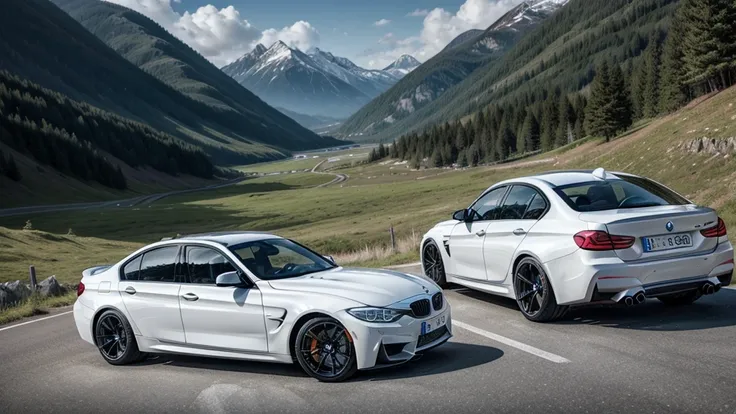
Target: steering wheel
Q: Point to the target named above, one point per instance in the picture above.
(287, 268)
(628, 199)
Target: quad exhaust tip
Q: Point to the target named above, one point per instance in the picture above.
(710, 288)
(640, 298)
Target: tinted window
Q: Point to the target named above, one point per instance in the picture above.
(519, 198)
(629, 192)
(536, 208)
(487, 206)
(131, 270)
(204, 265)
(158, 265)
(279, 258)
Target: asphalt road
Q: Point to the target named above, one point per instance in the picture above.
(599, 360)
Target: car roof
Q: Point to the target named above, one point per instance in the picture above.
(227, 238)
(562, 177)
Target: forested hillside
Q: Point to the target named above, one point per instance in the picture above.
(42, 43)
(70, 137)
(150, 47)
(559, 56)
(471, 51)
(648, 77)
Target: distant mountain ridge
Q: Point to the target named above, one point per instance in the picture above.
(403, 65)
(465, 54)
(234, 125)
(316, 83)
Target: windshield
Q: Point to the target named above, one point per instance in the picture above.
(279, 259)
(628, 192)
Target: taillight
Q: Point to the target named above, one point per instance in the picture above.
(80, 289)
(600, 240)
(718, 230)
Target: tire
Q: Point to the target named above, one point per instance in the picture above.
(534, 293)
(325, 351)
(115, 339)
(432, 264)
(681, 299)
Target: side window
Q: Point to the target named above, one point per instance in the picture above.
(517, 202)
(488, 206)
(132, 269)
(536, 208)
(204, 265)
(158, 265)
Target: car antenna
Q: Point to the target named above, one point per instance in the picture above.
(600, 174)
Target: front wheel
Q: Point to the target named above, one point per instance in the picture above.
(115, 339)
(434, 268)
(534, 293)
(324, 350)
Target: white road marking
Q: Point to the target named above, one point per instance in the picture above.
(35, 320)
(512, 343)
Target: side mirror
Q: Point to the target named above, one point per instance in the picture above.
(462, 215)
(330, 259)
(229, 279)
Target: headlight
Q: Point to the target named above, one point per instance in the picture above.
(379, 315)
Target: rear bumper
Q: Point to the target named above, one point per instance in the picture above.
(83, 316)
(584, 276)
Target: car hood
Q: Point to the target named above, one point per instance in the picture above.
(368, 286)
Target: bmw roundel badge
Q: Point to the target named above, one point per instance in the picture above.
(669, 226)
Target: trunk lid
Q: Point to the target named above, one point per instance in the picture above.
(641, 223)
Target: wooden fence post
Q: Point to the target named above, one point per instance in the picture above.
(32, 271)
(393, 238)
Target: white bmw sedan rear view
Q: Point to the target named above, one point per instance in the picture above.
(259, 297)
(574, 237)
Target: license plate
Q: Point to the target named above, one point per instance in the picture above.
(433, 324)
(667, 242)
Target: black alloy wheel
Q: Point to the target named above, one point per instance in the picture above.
(325, 350)
(434, 268)
(115, 339)
(534, 293)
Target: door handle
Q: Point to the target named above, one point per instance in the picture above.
(190, 297)
(481, 233)
(129, 290)
(519, 232)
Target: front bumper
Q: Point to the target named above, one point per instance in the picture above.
(379, 345)
(593, 276)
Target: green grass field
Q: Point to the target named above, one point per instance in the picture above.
(342, 219)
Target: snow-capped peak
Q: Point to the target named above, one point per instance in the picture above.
(403, 65)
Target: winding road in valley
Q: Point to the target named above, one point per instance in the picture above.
(650, 358)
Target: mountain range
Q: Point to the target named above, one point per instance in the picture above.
(469, 52)
(315, 82)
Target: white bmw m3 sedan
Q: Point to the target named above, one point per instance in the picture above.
(260, 297)
(574, 237)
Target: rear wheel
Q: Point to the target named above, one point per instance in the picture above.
(534, 293)
(324, 350)
(115, 339)
(680, 299)
(434, 268)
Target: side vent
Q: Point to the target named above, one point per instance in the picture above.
(446, 243)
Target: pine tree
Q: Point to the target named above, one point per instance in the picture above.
(436, 160)
(381, 151)
(708, 42)
(650, 93)
(462, 159)
(529, 139)
(505, 137)
(621, 104)
(566, 120)
(600, 117)
(549, 125)
(674, 92)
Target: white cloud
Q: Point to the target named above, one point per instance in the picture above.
(220, 35)
(382, 22)
(439, 28)
(418, 13)
(301, 35)
(388, 38)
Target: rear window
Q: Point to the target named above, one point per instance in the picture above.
(628, 192)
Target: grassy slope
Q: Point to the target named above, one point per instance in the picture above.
(339, 219)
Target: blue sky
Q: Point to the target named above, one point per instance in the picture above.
(223, 30)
